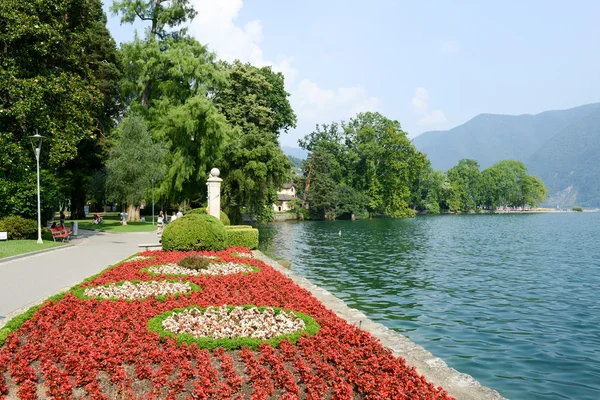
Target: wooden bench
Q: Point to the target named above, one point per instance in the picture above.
(60, 233)
(149, 246)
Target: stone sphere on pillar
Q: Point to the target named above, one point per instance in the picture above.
(215, 172)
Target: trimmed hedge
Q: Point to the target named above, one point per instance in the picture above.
(194, 232)
(239, 227)
(242, 236)
(202, 211)
(155, 325)
(19, 228)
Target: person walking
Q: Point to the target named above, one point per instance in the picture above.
(173, 217)
(160, 224)
(179, 214)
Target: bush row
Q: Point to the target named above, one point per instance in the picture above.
(19, 228)
(200, 231)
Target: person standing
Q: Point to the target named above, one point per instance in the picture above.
(173, 217)
(179, 214)
(62, 217)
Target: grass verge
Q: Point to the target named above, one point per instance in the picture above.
(11, 248)
(113, 226)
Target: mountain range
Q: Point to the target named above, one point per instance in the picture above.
(560, 147)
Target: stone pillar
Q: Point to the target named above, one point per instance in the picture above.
(214, 193)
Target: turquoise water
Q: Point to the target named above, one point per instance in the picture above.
(513, 300)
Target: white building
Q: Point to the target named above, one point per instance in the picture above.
(284, 195)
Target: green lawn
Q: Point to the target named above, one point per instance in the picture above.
(10, 248)
(112, 225)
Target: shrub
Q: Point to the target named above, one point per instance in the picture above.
(245, 237)
(194, 232)
(233, 227)
(19, 228)
(577, 208)
(202, 211)
(194, 262)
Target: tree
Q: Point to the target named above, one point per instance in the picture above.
(507, 183)
(255, 103)
(464, 182)
(384, 163)
(321, 198)
(428, 189)
(179, 110)
(58, 78)
(134, 162)
(164, 15)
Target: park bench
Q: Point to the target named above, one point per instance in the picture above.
(60, 233)
(148, 246)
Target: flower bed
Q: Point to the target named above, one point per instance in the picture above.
(216, 268)
(136, 290)
(75, 348)
(233, 327)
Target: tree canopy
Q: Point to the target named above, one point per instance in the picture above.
(58, 77)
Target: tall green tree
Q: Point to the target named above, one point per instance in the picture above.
(165, 17)
(255, 103)
(428, 189)
(385, 163)
(57, 76)
(321, 196)
(171, 78)
(464, 182)
(507, 183)
(135, 161)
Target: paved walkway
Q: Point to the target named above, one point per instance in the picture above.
(28, 280)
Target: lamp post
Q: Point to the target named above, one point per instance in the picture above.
(36, 143)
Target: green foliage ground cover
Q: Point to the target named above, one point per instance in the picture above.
(11, 248)
(155, 324)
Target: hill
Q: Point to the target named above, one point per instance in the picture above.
(557, 146)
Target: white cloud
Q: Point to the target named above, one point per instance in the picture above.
(325, 105)
(216, 26)
(450, 47)
(420, 103)
(436, 117)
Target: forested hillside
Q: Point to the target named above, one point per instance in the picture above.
(557, 146)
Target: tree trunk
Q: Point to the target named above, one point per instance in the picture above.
(134, 213)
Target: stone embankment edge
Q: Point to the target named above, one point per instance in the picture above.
(459, 385)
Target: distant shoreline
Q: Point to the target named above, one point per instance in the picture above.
(531, 211)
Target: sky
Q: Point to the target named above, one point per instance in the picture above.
(432, 65)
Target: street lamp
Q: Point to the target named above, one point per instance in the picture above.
(36, 143)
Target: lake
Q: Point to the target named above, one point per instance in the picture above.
(511, 299)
